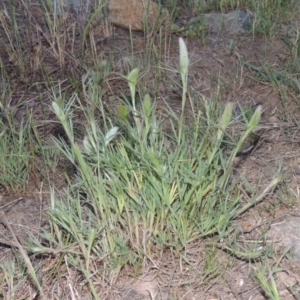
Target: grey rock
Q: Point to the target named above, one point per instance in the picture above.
(234, 21)
(286, 234)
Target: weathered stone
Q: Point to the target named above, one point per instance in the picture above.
(287, 235)
(132, 14)
(238, 21)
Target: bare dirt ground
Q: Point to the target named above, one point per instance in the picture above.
(216, 63)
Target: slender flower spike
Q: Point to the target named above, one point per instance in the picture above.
(226, 116)
(57, 110)
(184, 67)
(111, 134)
(132, 81)
(86, 144)
(147, 105)
(133, 78)
(184, 59)
(225, 120)
(256, 117)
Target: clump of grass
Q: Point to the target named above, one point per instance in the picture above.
(15, 157)
(265, 275)
(265, 278)
(138, 186)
